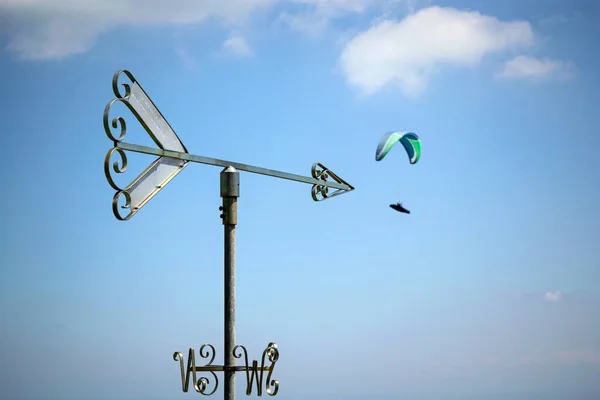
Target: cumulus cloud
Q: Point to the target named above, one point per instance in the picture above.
(531, 67)
(407, 52)
(553, 296)
(238, 46)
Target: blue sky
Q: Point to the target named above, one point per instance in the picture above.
(489, 287)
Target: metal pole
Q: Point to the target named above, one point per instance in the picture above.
(230, 191)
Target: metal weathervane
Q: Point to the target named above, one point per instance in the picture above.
(173, 157)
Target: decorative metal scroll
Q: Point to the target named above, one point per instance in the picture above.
(147, 184)
(321, 191)
(199, 384)
(254, 372)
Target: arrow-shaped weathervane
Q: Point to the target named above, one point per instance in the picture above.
(173, 157)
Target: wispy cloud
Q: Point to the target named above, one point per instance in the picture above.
(553, 296)
(55, 29)
(317, 14)
(237, 46)
(574, 296)
(560, 357)
(186, 57)
(573, 356)
(306, 23)
(560, 19)
(407, 52)
(525, 67)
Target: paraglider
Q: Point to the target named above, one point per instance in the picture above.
(411, 143)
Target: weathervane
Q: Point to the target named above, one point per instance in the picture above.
(173, 157)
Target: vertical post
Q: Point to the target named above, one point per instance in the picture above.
(230, 191)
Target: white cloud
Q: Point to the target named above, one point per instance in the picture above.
(407, 52)
(185, 56)
(332, 7)
(238, 46)
(318, 14)
(553, 296)
(310, 24)
(54, 29)
(316, 19)
(531, 67)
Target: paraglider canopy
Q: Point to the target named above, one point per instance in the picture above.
(410, 141)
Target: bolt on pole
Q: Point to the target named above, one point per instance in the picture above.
(230, 191)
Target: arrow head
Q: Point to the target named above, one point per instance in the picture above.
(321, 192)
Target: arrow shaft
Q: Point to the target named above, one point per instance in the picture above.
(223, 163)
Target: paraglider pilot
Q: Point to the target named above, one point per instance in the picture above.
(398, 207)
